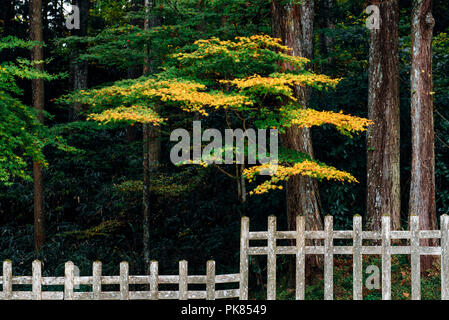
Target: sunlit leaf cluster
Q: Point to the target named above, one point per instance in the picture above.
(281, 173)
(345, 124)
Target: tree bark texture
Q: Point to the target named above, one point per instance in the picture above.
(422, 186)
(37, 54)
(79, 69)
(383, 148)
(328, 22)
(293, 23)
(151, 149)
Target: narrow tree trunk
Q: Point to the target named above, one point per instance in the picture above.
(146, 197)
(293, 23)
(151, 149)
(422, 187)
(79, 69)
(383, 148)
(37, 54)
(151, 20)
(151, 158)
(242, 184)
(328, 22)
(135, 71)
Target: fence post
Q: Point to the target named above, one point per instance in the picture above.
(329, 258)
(210, 280)
(154, 283)
(444, 225)
(300, 257)
(7, 280)
(69, 280)
(357, 258)
(37, 280)
(96, 280)
(415, 257)
(271, 259)
(183, 280)
(386, 258)
(124, 280)
(244, 258)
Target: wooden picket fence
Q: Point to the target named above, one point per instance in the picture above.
(124, 280)
(357, 249)
(300, 249)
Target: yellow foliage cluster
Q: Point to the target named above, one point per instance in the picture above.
(283, 173)
(190, 95)
(253, 42)
(134, 113)
(145, 89)
(283, 82)
(343, 122)
(245, 45)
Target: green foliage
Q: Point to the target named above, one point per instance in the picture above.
(21, 134)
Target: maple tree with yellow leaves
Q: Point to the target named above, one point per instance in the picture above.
(244, 81)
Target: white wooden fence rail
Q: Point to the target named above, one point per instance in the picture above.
(124, 280)
(357, 249)
(328, 249)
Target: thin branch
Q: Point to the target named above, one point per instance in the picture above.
(441, 140)
(436, 110)
(224, 171)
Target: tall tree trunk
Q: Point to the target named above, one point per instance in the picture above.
(135, 71)
(422, 187)
(37, 54)
(151, 148)
(151, 158)
(383, 148)
(328, 22)
(79, 69)
(293, 23)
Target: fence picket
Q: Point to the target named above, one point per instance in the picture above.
(444, 224)
(96, 280)
(210, 280)
(386, 258)
(328, 259)
(300, 257)
(69, 280)
(37, 280)
(244, 258)
(415, 257)
(183, 276)
(154, 280)
(7, 280)
(357, 258)
(124, 280)
(271, 259)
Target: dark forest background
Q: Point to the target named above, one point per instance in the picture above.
(93, 198)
